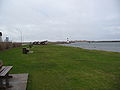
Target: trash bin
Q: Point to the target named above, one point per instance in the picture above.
(24, 51)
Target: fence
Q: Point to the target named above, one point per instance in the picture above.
(8, 45)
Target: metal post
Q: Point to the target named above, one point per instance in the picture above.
(20, 35)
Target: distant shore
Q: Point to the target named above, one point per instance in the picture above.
(74, 41)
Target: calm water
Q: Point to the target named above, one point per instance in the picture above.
(107, 46)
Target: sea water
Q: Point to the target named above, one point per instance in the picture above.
(107, 46)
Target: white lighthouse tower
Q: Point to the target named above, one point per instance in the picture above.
(1, 37)
(68, 40)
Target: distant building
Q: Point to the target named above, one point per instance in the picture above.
(7, 39)
(1, 37)
(40, 43)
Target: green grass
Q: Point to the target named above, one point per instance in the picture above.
(54, 67)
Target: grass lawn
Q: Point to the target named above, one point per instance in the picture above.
(54, 67)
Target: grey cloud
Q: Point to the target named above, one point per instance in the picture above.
(59, 19)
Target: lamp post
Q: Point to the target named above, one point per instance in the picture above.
(20, 35)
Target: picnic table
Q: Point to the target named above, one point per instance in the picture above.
(4, 75)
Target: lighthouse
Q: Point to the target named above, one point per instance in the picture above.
(1, 37)
(68, 40)
(6, 39)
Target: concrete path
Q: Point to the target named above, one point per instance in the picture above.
(18, 82)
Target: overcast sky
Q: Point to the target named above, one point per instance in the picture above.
(56, 20)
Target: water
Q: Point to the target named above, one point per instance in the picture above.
(106, 46)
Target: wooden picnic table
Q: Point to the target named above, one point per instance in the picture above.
(4, 75)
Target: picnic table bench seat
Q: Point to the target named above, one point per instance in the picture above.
(4, 71)
(4, 76)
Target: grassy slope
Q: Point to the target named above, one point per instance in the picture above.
(66, 68)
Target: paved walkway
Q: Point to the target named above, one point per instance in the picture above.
(18, 82)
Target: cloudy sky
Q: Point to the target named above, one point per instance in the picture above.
(56, 20)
